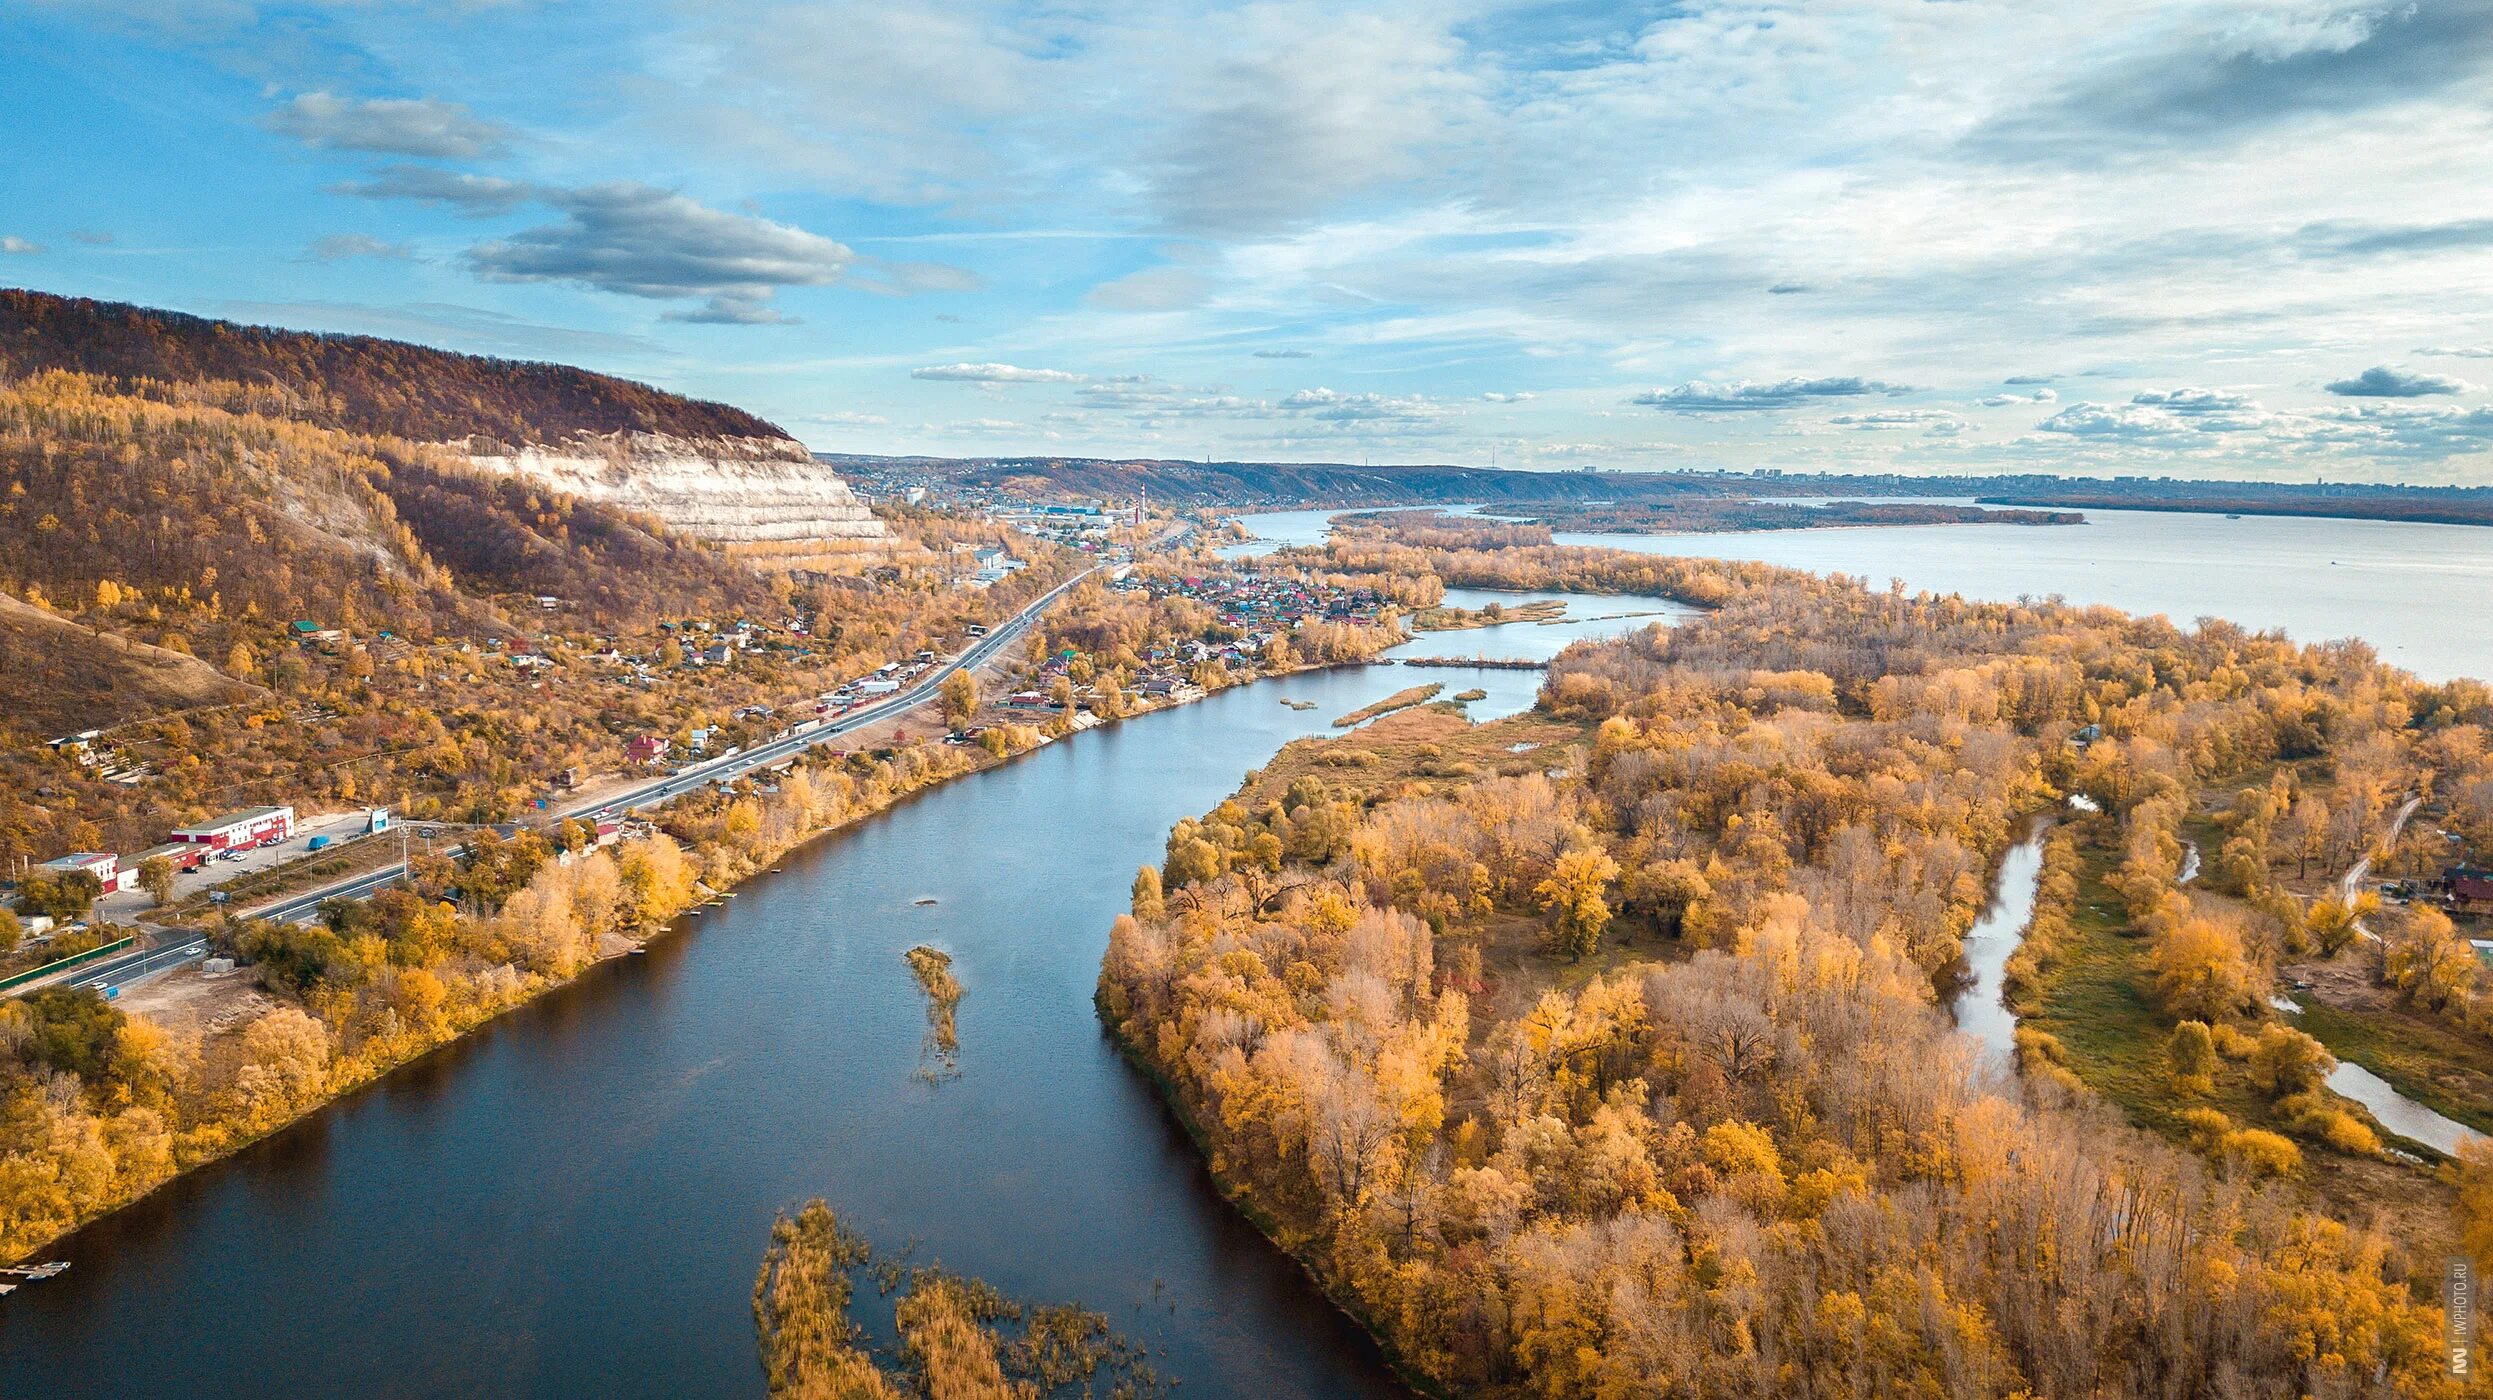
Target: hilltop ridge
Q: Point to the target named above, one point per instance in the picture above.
(359, 383)
(713, 472)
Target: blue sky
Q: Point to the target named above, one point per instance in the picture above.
(2183, 237)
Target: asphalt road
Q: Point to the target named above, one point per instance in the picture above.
(126, 968)
(301, 906)
(130, 967)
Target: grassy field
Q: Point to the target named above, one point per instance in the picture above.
(1425, 745)
(2441, 1068)
(1400, 700)
(2095, 1002)
(2098, 1003)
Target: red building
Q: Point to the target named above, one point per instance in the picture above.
(184, 855)
(255, 826)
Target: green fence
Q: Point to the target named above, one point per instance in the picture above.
(72, 960)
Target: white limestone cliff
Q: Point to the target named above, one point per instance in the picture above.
(761, 497)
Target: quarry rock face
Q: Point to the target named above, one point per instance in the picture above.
(765, 498)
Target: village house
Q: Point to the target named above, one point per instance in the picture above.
(103, 865)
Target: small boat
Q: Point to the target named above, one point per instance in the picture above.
(929, 899)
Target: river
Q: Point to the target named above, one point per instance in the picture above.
(574, 1200)
(2389, 582)
(1997, 930)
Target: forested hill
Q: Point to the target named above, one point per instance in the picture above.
(353, 382)
(1335, 484)
(1262, 483)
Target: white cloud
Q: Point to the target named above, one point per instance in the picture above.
(2389, 382)
(1747, 396)
(13, 244)
(425, 127)
(640, 241)
(1333, 406)
(337, 247)
(451, 189)
(997, 374)
(1889, 418)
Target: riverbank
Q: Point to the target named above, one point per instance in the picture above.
(339, 1072)
(648, 1122)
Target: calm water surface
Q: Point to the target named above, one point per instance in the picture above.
(1997, 931)
(2403, 588)
(573, 1202)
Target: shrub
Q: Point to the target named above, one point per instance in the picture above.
(2259, 1153)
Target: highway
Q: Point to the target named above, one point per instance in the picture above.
(296, 907)
(131, 967)
(121, 971)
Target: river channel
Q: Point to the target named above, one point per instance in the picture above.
(573, 1201)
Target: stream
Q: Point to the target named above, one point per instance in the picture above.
(1989, 944)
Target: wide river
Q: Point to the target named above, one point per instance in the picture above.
(573, 1202)
(2406, 589)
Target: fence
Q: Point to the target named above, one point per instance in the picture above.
(71, 961)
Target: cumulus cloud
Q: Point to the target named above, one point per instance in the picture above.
(641, 241)
(337, 247)
(2018, 380)
(1740, 396)
(14, 244)
(2003, 400)
(2106, 420)
(450, 189)
(424, 126)
(2465, 352)
(997, 374)
(2397, 430)
(2194, 402)
(1494, 396)
(2184, 418)
(1334, 406)
(2389, 382)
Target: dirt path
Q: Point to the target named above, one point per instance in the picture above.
(2355, 873)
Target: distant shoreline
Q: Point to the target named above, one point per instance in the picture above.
(2386, 511)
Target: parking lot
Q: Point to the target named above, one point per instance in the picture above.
(130, 905)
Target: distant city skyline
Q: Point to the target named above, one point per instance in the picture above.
(2203, 239)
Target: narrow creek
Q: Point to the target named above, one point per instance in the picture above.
(574, 1200)
(1997, 931)
(1996, 934)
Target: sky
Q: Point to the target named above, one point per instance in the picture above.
(2171, 238)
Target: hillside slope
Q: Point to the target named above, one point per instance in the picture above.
(714, 472)
(99, 679)
(355, 382)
